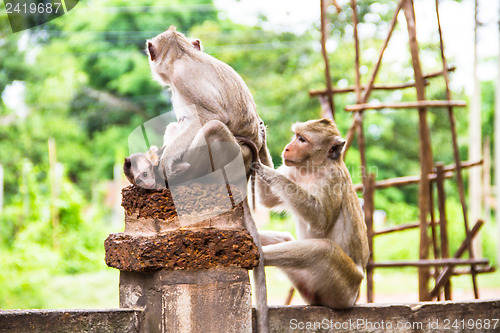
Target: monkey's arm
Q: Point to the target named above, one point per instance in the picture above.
(266, 195)
(171, 159)
(302, 203)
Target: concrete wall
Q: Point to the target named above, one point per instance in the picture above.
(474, 316)
(65, 321)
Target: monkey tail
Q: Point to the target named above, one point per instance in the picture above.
(255, 163)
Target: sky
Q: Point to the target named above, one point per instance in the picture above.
(457, 20)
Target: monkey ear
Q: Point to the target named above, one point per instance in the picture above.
(335, 150)
(151, 51)
(127, 167)
(153, 155)
(196, 43)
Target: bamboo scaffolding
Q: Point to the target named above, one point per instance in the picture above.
(479, 270)
(456, 152)
(447, 272)
(400, 227)
(390, 86)
(429, 262)
(404, 105)
(429, 175)
(425, 149)
(409, 180)
(445, 252)
(369, 86)
(329, 90)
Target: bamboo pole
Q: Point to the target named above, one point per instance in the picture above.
(430, 262)
(327, 64)
(456, 152)
(404, 105)
(425, 150)
(486, 179)
(446, 273)
(400, 227)
(369, 207)
(389, 86)
(435, 245)
(409, 180)
(369, 87)
(443, 228)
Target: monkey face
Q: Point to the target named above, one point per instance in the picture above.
(297, 151)
(316, 143)
(139, 170)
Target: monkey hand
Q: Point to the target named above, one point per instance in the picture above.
(172, 168)
(266, 173)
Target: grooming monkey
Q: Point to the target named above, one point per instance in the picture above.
(217, 105)
(327, 262)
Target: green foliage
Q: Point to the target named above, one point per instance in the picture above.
(88, 85)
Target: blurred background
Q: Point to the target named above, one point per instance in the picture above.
(73, 89)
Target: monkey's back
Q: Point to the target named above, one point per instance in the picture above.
(217, 88)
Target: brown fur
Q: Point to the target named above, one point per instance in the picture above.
(327, 262)
(215, 103)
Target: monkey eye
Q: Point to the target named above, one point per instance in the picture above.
(301, 139)
(144, 174)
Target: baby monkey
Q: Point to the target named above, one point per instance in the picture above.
(141, 169)
(326, 263)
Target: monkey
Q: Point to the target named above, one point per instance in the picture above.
(217, 105)
(141, 169)
(326, 263)
(203, 89)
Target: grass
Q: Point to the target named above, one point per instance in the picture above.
(84, 291)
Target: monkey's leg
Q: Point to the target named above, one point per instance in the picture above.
(219, 140)
(224, 148)
(320, 270)
(269, 237)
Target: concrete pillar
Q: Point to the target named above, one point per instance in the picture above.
(189, 279)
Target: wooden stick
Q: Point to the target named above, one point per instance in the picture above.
(401, 181)
(456, 152)
(462, 165)
(404, 105)
(408, 180)
(446, 273)
(369, 86)
(390, 86)
(289, 297)
(327, 64)
(369, 207)
(425, 149)
(445, 252)
(435, 245)
(400, 227)
(357, 86)
(381, 55)
(430, 262)
(479, 270)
